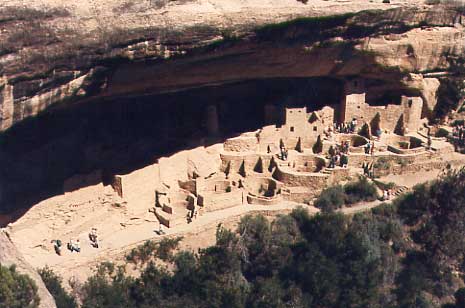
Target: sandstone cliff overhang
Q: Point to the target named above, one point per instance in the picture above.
(54, 55)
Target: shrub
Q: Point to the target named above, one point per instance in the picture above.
(361, 190)
(54, 286)
(150, 249)
(383, 185)
(382, 163)
(331, 199)
(17, 290)
(458, 122)
(442, 133)
(403, 145)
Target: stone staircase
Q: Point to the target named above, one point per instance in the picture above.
(399, 190)
(327, 170)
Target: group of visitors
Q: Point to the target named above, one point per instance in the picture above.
(338, 156)
(368, 170)
(346, 127)
(191, 215)
(74, 245)
(370, 148)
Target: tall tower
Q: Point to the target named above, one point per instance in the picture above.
(353, 100)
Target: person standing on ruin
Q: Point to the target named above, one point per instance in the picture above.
(367, 148)
(372, 148)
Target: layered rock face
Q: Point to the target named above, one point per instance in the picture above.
(53, 51)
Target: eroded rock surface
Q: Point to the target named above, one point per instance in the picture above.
(53, 51)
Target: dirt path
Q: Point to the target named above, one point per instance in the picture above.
(198, 234)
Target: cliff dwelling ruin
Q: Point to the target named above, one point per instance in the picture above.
(240, 150)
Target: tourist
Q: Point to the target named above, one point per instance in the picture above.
(367, 148)
(429, 142)
(345, 149)
(74, 245)
(354, 124)
(70, 245)
(331, 162)
(93, 237)
(344, 161)
(57, 246)
(77, 246)
(366, 170)
(385, 195)
(188, 217)
(372, 148)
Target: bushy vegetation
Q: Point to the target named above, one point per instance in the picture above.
(407, 254)
(331, 198)
(17, 290)
(335, 197)
(442, 133)
(294, 261)
(54, 285)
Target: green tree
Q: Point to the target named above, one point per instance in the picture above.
(109, 287)
(331, 199)
(17, 290)
(54, 285)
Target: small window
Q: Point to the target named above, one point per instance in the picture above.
(358, 107)
(315, 128)
(300, 111)
(410, 103)
(290, 111)
(292, 128)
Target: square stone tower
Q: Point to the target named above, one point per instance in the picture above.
(296, 121)
(353, 99)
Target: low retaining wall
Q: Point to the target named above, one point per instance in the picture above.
(217, 201)
(291, 178)
(241, 144)
(252, 199)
